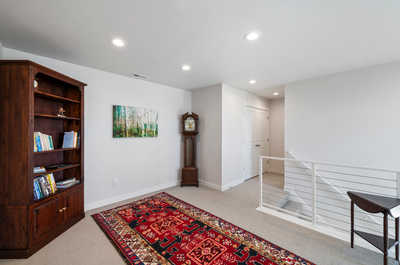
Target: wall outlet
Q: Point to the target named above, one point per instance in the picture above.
(115, 182)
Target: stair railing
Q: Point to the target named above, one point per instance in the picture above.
(322, 186)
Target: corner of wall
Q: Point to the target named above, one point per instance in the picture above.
(1, 51)
(206, 102)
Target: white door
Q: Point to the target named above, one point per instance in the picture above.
(257, 137)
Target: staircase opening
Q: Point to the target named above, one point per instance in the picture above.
(315, 196)
(273, 170)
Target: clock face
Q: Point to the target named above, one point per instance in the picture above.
(190, 124)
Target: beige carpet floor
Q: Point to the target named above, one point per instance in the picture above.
(86, 244)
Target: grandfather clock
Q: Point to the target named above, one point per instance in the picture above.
(190, 128)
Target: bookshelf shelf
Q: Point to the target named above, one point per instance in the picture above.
(57, 150)
(29, 224)
(51, 116)
(58, 192)
(55, 97)
(57, 169)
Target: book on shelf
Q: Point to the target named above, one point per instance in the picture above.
(42, 142)
(39, 169)
(71, 139)
(44, 186)
(67, 183)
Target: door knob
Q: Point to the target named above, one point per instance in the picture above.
(62, 209)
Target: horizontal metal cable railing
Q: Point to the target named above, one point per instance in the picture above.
(317, 192)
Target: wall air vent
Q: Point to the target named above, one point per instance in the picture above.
(138, 76)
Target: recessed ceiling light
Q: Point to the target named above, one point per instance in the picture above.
(186, 67)
(252, 82)
(118, 42)
(251, 36)
(275, 94)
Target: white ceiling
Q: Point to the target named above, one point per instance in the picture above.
(300, 39)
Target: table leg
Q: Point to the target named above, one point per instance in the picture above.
(352, 224)
(385, 239)
(397, 238)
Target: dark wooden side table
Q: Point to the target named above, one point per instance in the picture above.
(377, 204)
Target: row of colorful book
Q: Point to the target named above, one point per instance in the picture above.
(71, 139)
(42, 142)
(44, 186)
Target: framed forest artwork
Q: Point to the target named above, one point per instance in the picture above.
(134, 122)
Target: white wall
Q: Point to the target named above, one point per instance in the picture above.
(277, 133)
(1, 51)
(117, 169)
(255, 101)
(350, 117)
(347, 118)
(234, 146)
(206, 102)
(221, 147)
(233, 136)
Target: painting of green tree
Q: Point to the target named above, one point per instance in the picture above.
(134, 122)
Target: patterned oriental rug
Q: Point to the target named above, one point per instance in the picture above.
(162, 229)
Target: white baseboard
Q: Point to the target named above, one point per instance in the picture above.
(209, 184)
(232, 184)
(126, 196)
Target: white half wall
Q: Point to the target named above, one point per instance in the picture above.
(277, 133)
(118, 169)
(350, 117)
(206, 102)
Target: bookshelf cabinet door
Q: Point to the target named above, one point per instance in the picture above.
(47, 216)
(73, 204)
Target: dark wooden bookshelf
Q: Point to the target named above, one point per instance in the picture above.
(57, 169)
(28, 224)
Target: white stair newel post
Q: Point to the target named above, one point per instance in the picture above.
(398, 184)
(314, 186)
(260, 175)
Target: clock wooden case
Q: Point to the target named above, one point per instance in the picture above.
(190, 127)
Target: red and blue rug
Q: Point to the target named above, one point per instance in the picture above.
(162, 229)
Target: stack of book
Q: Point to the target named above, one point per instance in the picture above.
(44, 186)
(71, 140)
(39, 169)
(42, 142)
(67, 183)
